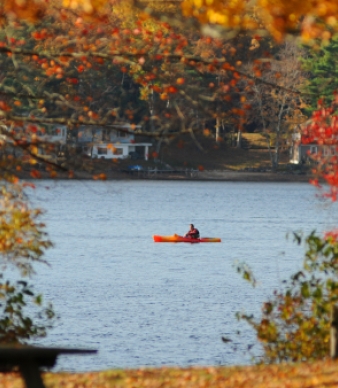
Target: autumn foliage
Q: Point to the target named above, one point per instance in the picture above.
(322, 132)
(318, 374)
(23, 241)
(295, 321)
(310, 19)
(278, 17)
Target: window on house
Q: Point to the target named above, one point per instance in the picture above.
(118, 151)
(59, 131)
(313, 150)
(328, 151)
(101, 151)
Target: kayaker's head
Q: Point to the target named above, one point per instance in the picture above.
(191, 226)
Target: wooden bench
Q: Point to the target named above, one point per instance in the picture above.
(29, 360)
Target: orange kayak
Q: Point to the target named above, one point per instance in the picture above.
(176, 238)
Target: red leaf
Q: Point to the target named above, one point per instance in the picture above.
(32, 128)
(35, 174)
(172, 89)
(73, 81)
(4, 106)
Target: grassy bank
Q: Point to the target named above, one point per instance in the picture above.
(218, 156)
(306, 375)
(201, 154)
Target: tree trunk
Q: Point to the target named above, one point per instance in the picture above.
(276, 153)
(239, 139)
(158, 146)
(218, 130)
(268, 141)
(278, 130)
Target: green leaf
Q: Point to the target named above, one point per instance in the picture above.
(305, 291)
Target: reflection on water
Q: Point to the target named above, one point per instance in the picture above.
(142, 303)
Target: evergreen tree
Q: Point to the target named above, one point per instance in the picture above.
(322, 65)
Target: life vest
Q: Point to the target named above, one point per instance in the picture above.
(194, 233)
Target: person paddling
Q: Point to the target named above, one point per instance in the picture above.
(193, 232)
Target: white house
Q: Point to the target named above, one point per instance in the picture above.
(121, 150)
(42, 133)
(111, 143)
(301, 152)
(51, 134)
(55, 134)
(37, 134)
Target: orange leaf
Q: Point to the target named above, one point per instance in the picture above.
(157, 89)
(172, 89)
(4, 106)
(35, 174)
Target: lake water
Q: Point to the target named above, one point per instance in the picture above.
(141, 303)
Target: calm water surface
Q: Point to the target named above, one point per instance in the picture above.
(141, 303)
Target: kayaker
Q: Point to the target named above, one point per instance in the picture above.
(193, 232)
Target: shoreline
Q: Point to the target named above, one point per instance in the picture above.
(202, 176)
